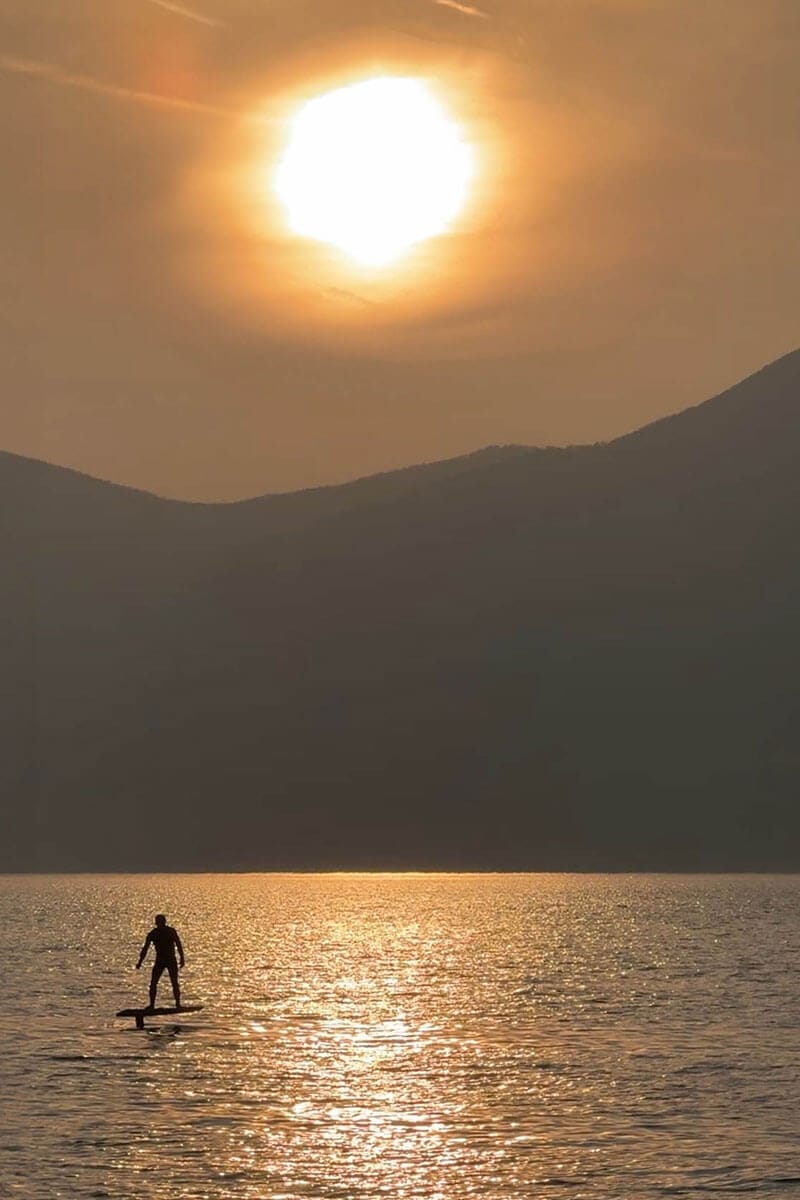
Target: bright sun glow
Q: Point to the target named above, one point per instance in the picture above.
(374, 168)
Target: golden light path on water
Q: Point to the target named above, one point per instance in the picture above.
(419, 1037)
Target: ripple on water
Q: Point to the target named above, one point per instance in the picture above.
(437, 1037)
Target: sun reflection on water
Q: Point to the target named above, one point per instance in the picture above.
(438, 1037)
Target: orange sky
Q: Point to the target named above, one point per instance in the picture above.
(631, 245)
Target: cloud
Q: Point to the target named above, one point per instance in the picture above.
(189, 13)
(469, 10)
(56, 75)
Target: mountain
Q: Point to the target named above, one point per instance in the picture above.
(581, 658)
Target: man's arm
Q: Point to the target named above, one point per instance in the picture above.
(144, 950)
(179, 945)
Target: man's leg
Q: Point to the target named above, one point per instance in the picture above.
(176, 987)
(154, 978)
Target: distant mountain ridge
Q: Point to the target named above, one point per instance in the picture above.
(533, 659)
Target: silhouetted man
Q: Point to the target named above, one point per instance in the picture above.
(166, 941)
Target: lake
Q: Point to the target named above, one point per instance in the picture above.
(407, 1036)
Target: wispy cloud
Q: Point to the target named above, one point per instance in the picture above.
(189, 13)
(469, 10)
(87, 83)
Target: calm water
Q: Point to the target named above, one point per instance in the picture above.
(404, 1036)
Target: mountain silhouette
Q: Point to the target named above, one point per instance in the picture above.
(580, 658)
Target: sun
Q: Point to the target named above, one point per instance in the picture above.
(373, 169)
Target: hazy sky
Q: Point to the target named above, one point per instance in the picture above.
(630, 246)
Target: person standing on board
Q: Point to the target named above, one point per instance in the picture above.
(166, 941)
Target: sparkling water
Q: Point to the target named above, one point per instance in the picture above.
(419, 1036)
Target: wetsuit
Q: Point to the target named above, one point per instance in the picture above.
(166, 941)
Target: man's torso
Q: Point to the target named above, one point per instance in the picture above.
(163, 938)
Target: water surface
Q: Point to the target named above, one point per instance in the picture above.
(431, 1036)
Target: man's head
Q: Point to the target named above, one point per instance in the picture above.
(160, 919)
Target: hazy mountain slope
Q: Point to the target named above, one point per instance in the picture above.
(581, 657)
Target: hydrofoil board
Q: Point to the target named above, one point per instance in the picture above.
(139, 1014)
